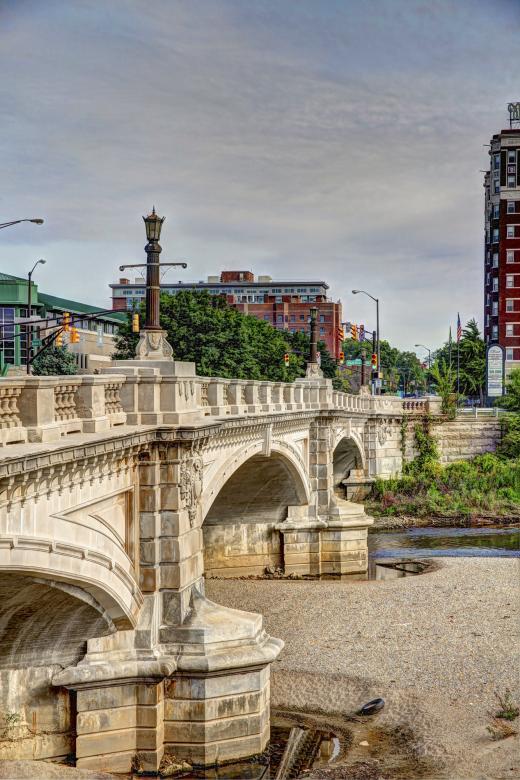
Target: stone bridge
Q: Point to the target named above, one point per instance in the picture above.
(119, 493)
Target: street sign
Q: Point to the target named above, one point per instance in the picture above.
(495, 371)
(353, 362)
(36, 342)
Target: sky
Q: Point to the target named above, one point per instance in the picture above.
(306, 139)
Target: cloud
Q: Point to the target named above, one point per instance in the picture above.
(334, 139)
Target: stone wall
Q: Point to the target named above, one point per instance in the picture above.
(463, 439)
(459, 439)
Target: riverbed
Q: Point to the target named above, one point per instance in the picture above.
(437, 647)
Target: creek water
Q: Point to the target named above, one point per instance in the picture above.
(445, 542)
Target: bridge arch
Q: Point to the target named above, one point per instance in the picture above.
(348, 457)
(44, 626)
(255, 489)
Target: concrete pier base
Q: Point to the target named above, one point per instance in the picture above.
(344, 542)
(336, 546)
(217, 702)
(199, 691)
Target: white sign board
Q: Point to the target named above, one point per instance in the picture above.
(495, 371)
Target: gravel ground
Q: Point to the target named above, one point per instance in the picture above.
(437, 647)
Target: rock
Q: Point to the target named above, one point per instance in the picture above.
(371, 707)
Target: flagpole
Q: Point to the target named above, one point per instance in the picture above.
(459, 334)
(458, 372)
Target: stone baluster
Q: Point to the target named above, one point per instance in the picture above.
(264, 396)
(234, 397)
(277, 396)
(251, 395)
(298, 396)
(288, 396)
(215, 397)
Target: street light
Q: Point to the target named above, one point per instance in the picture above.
(152, 340)
(378, 351)
(37, 221)
(429, 353)
(29, 311)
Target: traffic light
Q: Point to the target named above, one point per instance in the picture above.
(135, 323)
(354, 332)
(361, 332)
(374, 361)
(74, 335)
(286, 359)
(341, 358)
(59, 340)
(341, 333)
(66, 321)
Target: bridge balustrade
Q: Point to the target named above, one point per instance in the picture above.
(45, 408)
(39, 409)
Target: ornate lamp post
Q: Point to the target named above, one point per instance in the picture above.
(153, 344)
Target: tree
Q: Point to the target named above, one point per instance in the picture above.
(55, 361)
(511, 401)
(472, 350)
(444, 378)
(221, 341)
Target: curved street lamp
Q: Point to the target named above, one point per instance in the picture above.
(37, 221)
(376, 300)
(429, 353)
(29, 312)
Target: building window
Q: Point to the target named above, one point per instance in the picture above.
(496, 210)
(267, 317)
(322, 331)
(488, 299)
(494, 309)
(495, 235)
(494, 332)
(279, 318)
(496, 162)
(509, 353)
(302, 317)
(495, 259)
(511, 181)
(496, 186)
(510, 329)
(293, 317)
(495, 284)
(510, 231)
(488, 277)
(510, 280)
(487, 320)
(510, 304)
(511, 156)
(510, 256)
(511, 206)
(322, 318)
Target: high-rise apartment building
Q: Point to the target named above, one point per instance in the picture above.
(502, 246)
(285, 305)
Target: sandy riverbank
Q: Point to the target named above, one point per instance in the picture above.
(435, 646)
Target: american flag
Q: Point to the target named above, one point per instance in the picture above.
(459, 329)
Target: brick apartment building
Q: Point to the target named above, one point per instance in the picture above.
(502, 246)
(285, 305)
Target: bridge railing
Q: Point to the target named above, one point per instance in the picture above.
(218, 397)
(45, 408)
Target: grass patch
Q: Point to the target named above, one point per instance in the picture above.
(486, 486)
